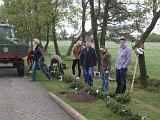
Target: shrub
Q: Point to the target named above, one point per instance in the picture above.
(122, 110)
(92, 91)
(123, 98)
(79, 85)
(97, 93)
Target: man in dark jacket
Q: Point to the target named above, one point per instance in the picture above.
(88, 61)
(37, 55)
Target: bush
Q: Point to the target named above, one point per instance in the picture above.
(132, 117)
(92, 91)
(111, 94)
(122, 110)
(123, 98)
(99, 94)
(79, 85)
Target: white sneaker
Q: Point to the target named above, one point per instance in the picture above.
(76, 88)
(107, 71)
(77, 78)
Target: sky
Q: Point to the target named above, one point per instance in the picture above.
(156, 29)
(1, 2)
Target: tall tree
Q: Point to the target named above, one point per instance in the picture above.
(105, 21)
(54, 22)
(94, 29)
(144, 36)
(84, 7)
(47, 36)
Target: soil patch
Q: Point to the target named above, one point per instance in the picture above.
(81, 96)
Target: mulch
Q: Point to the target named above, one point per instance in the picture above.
(81, 96)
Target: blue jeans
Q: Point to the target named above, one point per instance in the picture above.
(38, 65)
(45, 70)
(105, 81)
(88, 75)
(35, 66)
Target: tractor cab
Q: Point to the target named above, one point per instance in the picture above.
(12, 49)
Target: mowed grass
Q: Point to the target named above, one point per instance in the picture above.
(92, 111)
(151, 54)
(143, 101)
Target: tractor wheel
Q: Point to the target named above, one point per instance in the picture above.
(20, 68)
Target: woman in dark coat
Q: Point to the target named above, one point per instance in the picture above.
(37, 56)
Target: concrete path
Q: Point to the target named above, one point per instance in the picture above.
(21, 99)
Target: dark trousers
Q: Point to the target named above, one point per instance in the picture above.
(121, 80)
(76, 62)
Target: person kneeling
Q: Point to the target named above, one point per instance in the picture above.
(56, 67)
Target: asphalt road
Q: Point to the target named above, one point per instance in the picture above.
(21, 99)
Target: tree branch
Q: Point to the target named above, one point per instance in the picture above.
(148, 30)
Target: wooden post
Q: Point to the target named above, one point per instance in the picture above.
(134, 74)
(139, 51)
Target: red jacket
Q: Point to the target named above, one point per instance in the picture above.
(30, 57)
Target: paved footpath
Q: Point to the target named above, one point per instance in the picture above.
(21, 99)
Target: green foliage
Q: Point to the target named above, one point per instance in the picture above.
(76, 85)
(28, 16)
(92, 91)
(123, 98)
(122, 110)
(99, 93)
(32, 17)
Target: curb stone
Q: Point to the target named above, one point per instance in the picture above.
(67, 108)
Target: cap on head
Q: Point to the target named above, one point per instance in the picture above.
(123, 39)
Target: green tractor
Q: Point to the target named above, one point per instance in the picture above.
(12, 49)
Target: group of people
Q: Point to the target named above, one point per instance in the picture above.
(85, 58)
(36, 61)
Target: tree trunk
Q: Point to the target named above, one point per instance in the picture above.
(47, 37)
(40, 36)
(89, 33)
(55, 38)
(84, 6)
(104, 27)
(143, 71)
(72, 44)
(94, 30)
(36, 33)
(142, 65)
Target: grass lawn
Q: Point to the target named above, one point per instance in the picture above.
(143, 101)
(92, 111)
(151, 53)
